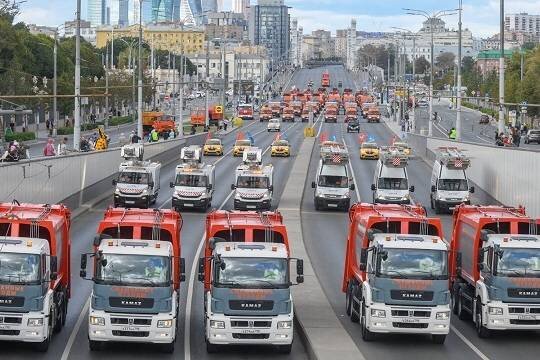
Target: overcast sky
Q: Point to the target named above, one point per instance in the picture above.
(480, 16)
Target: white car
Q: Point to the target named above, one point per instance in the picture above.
(200, 94)
(274, 125)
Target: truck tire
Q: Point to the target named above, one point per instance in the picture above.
(431, 202)
(482, 331)
(95, 345)
(438, 339)
(460, 311)
(44, 345)
(61, 313)
(366, 334)
(437, 207)
(167, 348)
(348, 300)
(355, 308)
(284, 349)
(211, 348)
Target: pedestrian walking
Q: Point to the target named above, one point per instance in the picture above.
(62, 147)
(47, 124)
(48, 150)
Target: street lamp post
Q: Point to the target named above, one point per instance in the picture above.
(140, 80)
(458, 94)
(501, 72)
(77, 118)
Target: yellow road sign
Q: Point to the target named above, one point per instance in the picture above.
(219, 109)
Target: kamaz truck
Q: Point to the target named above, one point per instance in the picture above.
(396, 272)
(137, 270)
(35, 279)
(246, 271)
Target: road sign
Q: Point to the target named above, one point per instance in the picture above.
(219, 109)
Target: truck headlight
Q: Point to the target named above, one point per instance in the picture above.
(216, 324)
(406, 197)
(284, 325)
(96, 320)
(445, 315)
(145, 192)
(35, 322)
(495, 310)
(164, 323)
(378, 313)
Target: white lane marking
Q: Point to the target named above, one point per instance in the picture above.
(75, 330)
(357, 192)
(477, 351)
(189, 300)
(484, 140)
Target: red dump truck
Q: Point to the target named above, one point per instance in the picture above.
(495, 268)
(137, 270)
(396, 272)
(325, 80)
(266, 113)
(348, 96)
(35, 279)
(247, 280)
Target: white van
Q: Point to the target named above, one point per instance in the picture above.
(449, 182)
(390, 181)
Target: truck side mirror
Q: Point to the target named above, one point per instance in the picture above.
(201, 269)
(54, 267)
(271, 188)
(84, 260)
(458, 262)
(209, 187)
(182, 269)
(114, 182)
(352, 187)
(471, 190)
(481, 266)
(313, 186)
(97, 240)
(233, 187)
(433, 188)
(411, 189)
(171, 184)
(151, 184)
(363, 259)
(373, 188)
(299, 271)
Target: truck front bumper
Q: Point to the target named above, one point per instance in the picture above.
(201, 203)
(131, 201)
(515, 316)
(408, 319)
(451, 204)
(333, 203)
(236, 330)
(14, 326)
(240, 204)
(141, 328)
(392, 201)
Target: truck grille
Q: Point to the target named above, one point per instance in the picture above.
(251, 305)
(411, 295)
(140, 334)
(10, 320)
(126, 321)
(524, 322)
(251, 324)
(10, 332)
(409, 325)
(521, 310)
(250, 336)
(412, 313)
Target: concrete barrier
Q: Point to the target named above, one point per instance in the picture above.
(321, 331)
(77, 178)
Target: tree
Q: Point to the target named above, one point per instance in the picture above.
(422, 65)
(445, 62)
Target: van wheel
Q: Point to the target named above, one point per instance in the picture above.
(284, 349)
(95, 345)
(438, 339)
(211, 348)
(167, 348)
(481, 330)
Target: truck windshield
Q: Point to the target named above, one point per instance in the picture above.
(191, 180)
(252, 182)
(252, 273)
(129, 177)
(139, 270)
(18, 268)
(333, 181)
(453, 184)
(393, 183)
(413, 263)
(518, 262)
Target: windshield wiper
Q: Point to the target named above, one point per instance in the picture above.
(271, 284)
(151, 282)
(400, 274)
(228, 284)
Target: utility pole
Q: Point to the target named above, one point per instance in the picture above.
(206, 120)
(430, 124)
(458, 94)
(501, 72)
(55, 55)
(106, 90)
(521, 64)
(77, 118)
(140, 80)
(182, 69)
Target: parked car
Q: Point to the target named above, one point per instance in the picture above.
(484, 119)
(532, 136)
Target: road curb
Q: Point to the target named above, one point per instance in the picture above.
(320, 330)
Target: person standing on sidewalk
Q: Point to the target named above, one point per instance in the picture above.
(49, 148)
(62, 147)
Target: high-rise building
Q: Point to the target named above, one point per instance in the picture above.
(241, 7)
(209, 6)
(220, 5)
(296, 43)
(523, 22)
(269, 25)
(123, 12)
(190, 12)
(96, 12)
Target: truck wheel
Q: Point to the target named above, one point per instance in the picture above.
(284, 349)
(61, 318)
(44, 345)
(437, 207)
(317, 206)
(481, 330)
(462, 315)
(355, 308)
(366, 334)
(438, 339)
(431, 202)
(95, 345)
(211, 348)
(348, 300)
(167, 348)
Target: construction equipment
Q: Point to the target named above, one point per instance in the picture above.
(254, 182)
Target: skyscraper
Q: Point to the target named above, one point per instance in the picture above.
(146, 11)
(209, 6)
(123, 12)
(96, 12)
(241, 7)
(190, 12)
(269, 26)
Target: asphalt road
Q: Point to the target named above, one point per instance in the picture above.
(72, 342)
(325, 234)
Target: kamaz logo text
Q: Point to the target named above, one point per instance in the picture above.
(6, 301)
(251, 306)
(528, 293)
(411, 296)
(131, 302)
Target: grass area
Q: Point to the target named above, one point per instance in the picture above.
(119, 120)
(20, 136)
(479, 108)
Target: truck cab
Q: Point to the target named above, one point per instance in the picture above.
(390, 181)
(245, 111)
(266, 113)
(449, 182)
(137, 270)
(496, 268)
(246, 271)
(138, 181)
(35, 282)
(288, 114)
(254, 182)
(194, 181)
(332, 184)
(331, 112)
(396, 272)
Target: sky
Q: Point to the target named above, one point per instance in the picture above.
(480, 16)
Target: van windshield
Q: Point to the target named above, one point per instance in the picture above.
(128, 177)
(453, 184)
(252, 182)
(393, 184)
(191, 180)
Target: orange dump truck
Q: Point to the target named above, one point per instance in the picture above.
(266, 113)
(331, 112)
(276, 108)
(348, 96)
(288, 114)
(325, 80)
(246, 272)
(335, 97)
(351, 111)
(373, 114)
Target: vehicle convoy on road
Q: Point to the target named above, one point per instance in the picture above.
(254, 182)
(330, 112)
(137, 270)
(266, 113)
(390, 181)
(396, 272)
(495, 267)
(138, 181)
(449, 182)
(373, 114)
(194, 181)
(247, 280)
(35, 279)
(331, 185)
